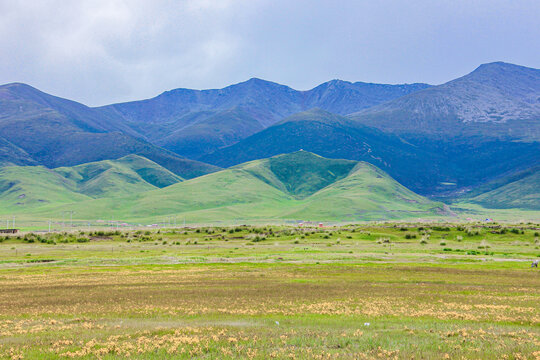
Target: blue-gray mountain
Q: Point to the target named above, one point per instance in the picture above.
(176, 118)
(37, 128)
(427, 167)
(433, 139)
(40, 128)
(465, 132)
(496, 100)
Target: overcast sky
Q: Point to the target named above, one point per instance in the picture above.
(104, 51)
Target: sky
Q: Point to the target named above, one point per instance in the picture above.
(106, 51)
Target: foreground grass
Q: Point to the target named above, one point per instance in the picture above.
(286, 296)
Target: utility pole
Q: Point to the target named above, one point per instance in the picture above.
(49, 225)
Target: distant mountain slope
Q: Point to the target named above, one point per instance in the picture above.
(425, 165)
(483, 125)
(13, 155)
(210, 133)
(344, 97)
(25, 104)
(497, 100)
(56, 132)
(239, 110)
(520, 190)
(265, 100)
(322, 189)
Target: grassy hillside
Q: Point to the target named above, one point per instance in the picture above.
(300, 173)
(293, 186)
(367, 193)
(25, 188)
(111, 178)
(225, 195)
(517, 191)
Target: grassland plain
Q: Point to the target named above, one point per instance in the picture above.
(397, 291)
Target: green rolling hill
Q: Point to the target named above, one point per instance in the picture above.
(112, 178)
(366, 193)
(24, 188)
(299, 185)
(299, 174)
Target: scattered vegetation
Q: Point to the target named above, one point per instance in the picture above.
(362, 292)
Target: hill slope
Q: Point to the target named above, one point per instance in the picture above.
(128, 175)
(521, 190)
(57, 132)
(23, 188)
(13, 155)
(366, 193)
(299, 174)
(323, 189)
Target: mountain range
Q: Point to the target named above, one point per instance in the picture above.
(462, 139)
(38, 128)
